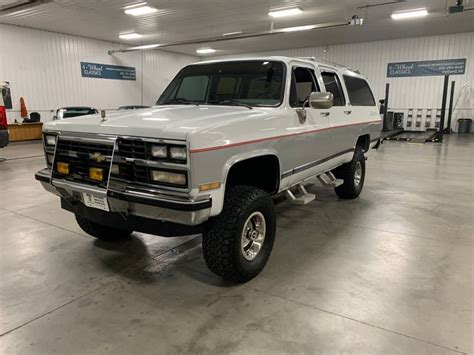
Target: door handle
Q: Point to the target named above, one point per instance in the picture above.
(325, 114)
(347, 112)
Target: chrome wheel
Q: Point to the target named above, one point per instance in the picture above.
(253, 236)
(358, 173)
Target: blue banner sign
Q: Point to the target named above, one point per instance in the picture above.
(427, 68)
(107, 71)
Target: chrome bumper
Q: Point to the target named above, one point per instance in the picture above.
(151, 206)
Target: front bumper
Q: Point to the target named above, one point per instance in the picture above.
(129, 203)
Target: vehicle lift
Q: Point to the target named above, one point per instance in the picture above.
(434, 134)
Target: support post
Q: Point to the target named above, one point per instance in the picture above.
(385, 111)
(443, 109)
(448, 129)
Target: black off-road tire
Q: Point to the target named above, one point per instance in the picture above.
(102, 232)
(221, 242)
(349, 189)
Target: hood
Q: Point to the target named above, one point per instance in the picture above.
(168, 122)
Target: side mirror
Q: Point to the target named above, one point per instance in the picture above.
(321, 100)
(55, 118)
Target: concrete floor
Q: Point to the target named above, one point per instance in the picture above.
(390, 272)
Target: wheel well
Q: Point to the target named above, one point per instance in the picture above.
(363, 142)
(262, 172)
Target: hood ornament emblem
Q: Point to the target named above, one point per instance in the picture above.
(102, 114)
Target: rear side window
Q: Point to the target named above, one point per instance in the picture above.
(333, 85)
(359, 91)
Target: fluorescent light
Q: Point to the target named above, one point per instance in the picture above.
(140, 11)
(205, 50)
(131, 35)
(400, 15)
(232, 33)
(297, 28)
(285, 12)
(146, 46)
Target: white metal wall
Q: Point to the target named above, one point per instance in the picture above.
(371, 58)
(44, 69)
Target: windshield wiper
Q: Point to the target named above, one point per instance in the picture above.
(230, 103)
(181, 101)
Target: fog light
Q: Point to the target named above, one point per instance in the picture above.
(96, 174)
(62, 168)
(168, 177)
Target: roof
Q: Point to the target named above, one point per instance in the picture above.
(286, 60)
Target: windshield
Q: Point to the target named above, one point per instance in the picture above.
(244, 83)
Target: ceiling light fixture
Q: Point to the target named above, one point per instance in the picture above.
(276, 13)
(297, 28)
(130, 35)
(205, 50)
(401, 15)
(228, 34)
(139, 10)
(146, 46)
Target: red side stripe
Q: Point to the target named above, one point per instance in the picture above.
(200, 150)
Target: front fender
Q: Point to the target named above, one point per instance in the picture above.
(218, 195)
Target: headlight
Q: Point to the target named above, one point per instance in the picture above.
(50, 140)
(159, 151)
(168, 177)
(178, 153)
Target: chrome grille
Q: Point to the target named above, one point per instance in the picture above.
(81, 156)
(132, 148)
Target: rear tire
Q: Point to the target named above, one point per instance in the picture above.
(237, 243)
(100, 231)
(353, 174)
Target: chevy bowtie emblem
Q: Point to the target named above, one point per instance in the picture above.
(97, 157)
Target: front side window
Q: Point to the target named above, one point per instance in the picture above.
(359, 91)
(303, 83)
(333, 85)
(252, 83)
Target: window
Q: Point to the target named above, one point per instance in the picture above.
(303, 83)
(193, 88)
(333, 85)
(250, 82)
(359, 91)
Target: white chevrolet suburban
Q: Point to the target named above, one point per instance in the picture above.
(224, 139)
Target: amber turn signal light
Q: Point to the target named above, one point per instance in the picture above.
(62, 168)
(96, 174)
(211, 186)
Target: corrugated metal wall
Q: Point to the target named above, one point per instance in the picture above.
(371, 58)
(44, 68)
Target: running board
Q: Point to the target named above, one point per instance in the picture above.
(329, 180)
(303, 198)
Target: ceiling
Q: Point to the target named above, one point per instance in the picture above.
(183, 20)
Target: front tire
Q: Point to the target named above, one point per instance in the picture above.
(237, 243)
(353, 174)
(99, 231)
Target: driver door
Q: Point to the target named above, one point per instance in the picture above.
(309, 144)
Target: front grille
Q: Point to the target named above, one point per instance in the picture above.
(132, 148)
(81, 156)
(134, 173)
